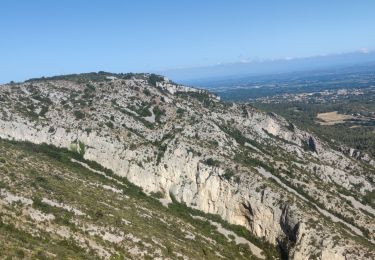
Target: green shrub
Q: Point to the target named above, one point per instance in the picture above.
(228, 174)
(147, 92)
(213, 143)
(38, 204)
(211, 162)
(369, 198)
(43, 111)
(82, 148)
(180, 111)
(157, 195)
(153, 79)
(158, 113)
(109, 124)
(161, 152)
(143, 111)
(79, 115)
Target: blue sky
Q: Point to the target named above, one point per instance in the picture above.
(45, 37)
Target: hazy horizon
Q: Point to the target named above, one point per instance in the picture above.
(196, 76)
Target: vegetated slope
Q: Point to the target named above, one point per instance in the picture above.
(53, 206)
(257, 170)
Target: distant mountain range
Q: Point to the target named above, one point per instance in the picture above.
(201, 75)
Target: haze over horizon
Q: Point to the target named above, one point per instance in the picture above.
(44, 38)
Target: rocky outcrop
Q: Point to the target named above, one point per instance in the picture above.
(357, 154)
(312, 144)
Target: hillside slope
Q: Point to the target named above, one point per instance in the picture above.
(53, 204)
(253, 169)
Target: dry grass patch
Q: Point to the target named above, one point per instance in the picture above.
(332, 118)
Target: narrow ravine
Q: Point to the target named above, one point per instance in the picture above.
(324, 212)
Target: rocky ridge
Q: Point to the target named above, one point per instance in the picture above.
(227, 159)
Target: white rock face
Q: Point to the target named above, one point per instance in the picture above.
(204, 154)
